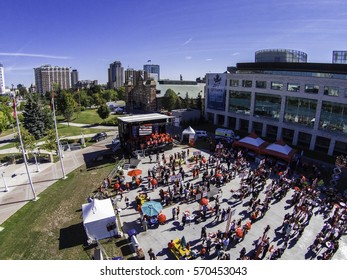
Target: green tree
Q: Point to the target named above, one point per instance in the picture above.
(68, 106)
(109, 95)
(6, 117)
(28, 140)
(50, 142)
(103, 111)
(121, 93)
(35, 119)
(169, 100)
(199, 104)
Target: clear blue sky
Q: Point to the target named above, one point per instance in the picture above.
(188, 37)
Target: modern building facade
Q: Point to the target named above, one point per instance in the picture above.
(46, 76)
(153, 70)
(280, 55)
(305, 104)
(74, 78)
(2, 79)
(115, 75)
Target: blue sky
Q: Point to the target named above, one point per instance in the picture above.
(188, 37)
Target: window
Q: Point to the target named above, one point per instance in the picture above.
(276, 85)
(260, 84)
(240, 102)
(331, 91)
(310, 88)
(247, 83)
(345, 92)
(293, 87)
(234, 83)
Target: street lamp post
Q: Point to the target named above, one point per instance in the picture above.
(37, 164)
(3, 179)
(83, 141)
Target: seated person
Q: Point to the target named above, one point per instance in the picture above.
(171, 245)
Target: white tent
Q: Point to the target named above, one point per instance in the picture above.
(99, 219)
(189, 131)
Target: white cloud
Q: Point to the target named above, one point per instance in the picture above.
(208, 59)
(235, 54)
(187, 42)
(34, 55)
(188, 57)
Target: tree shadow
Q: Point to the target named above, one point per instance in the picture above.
(72, 236)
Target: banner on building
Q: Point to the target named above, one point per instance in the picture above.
(216, 91)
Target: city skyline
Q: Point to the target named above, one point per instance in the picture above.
(188, 38)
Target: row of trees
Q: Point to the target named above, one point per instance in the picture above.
(172, 101)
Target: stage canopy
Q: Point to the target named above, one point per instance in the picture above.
(280, 150)
(251, 142)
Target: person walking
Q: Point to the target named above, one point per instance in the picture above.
(178, 212)
(144, 224)
(174, 213)
(203, 233)
(151, 254)
(184, 220)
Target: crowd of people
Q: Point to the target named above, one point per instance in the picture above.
(183, 177)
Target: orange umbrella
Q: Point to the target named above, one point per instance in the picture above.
(135, 172)
(219, 174)
(204, 201)
(154, 181)
(161, 218)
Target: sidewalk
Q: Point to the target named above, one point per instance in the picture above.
(16, 178)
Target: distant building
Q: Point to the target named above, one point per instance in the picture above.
(32, 88)
(74, 78)
(85, 84)
(280, 55)
(115, 75)
(2, 79)
(147, 95)
(46, 76)
(153, 70)
(135, 76)
(339, 57)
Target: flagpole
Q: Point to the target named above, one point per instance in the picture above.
(57, 138)
(22, 146)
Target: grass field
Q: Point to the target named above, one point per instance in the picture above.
(89, 116)
(51, 228)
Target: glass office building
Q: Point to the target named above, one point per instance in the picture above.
(303, 103)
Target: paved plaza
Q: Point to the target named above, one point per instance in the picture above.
(157, 237)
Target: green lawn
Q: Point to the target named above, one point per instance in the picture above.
(51, 228)
(89, 116)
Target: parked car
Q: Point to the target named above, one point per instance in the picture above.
(201, 133)
(99, 136)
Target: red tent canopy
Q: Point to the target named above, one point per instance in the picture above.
(252, 142)
(280, 150)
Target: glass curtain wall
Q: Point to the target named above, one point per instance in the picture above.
(267, 105)
(300, 111)
(333, 117)
(240, 102)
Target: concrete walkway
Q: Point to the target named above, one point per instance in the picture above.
(19, 190)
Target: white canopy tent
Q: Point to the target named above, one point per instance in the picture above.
(190, 132)
(99, 219)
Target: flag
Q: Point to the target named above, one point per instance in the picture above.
(149, 61)
(14, 107)
(52, 100)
